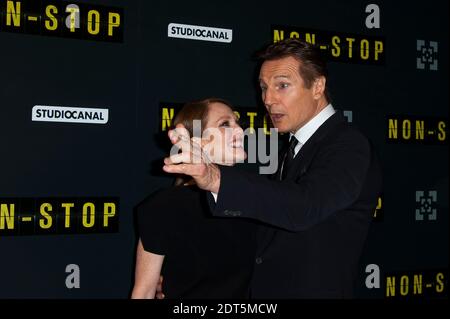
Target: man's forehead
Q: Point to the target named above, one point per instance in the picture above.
(286, 67)
(282, 73)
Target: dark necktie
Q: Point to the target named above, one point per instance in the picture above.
(289, 156)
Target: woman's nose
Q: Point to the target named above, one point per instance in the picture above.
(237, 130)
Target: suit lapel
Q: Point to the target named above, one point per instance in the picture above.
(306, 153)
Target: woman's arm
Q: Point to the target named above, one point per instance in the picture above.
(147, 272)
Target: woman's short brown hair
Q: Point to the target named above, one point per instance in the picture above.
(196, 110)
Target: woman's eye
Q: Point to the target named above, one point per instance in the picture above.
(225, 124)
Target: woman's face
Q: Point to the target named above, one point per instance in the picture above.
(223, 138)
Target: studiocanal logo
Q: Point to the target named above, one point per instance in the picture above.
(195, 32)
(45, 113)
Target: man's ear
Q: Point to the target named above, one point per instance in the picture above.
(319, 87)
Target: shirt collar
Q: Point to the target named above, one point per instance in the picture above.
(307, 130)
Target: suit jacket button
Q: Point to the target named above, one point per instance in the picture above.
(258, 260)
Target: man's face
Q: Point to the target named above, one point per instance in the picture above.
(289, 103)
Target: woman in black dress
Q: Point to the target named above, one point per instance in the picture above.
(199, 256)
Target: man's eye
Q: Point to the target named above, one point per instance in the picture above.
(263, 88)
(225, 124)
(283, 85)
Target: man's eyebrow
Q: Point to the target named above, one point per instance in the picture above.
(281, 76)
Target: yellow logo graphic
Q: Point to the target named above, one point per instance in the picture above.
(30, 216)
(338, 46)
(62, 19)
(413, 129)
(248, 117)
(424, 283)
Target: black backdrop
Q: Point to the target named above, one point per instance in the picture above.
(145, 70)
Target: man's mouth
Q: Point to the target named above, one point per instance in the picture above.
(276, 117)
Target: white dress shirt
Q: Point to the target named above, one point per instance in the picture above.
(307, 130)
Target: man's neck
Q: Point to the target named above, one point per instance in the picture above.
(321, 104)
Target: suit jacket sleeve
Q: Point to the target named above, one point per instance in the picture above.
(332, 183)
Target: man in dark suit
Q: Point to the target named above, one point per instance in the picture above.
(316, 210)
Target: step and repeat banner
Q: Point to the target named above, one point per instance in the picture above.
(88, 90)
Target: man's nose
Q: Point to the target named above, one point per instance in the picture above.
(268, 98)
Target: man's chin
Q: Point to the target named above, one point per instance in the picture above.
(282, 129)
